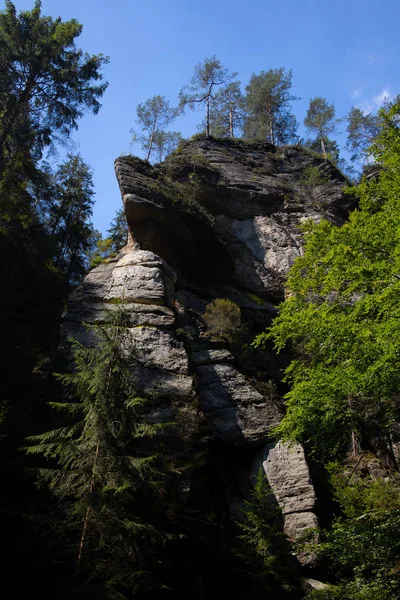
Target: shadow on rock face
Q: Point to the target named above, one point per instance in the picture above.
(235, 410)
(182, 240)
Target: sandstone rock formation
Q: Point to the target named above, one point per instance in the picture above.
(219, 219)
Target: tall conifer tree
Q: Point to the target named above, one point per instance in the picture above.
(103, 469)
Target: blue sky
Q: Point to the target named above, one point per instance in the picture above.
(346, 51)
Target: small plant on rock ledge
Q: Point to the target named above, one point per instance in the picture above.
(312, 177)
(223, 320)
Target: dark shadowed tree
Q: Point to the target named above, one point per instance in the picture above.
(103, 468)
(268, 99)
(69, 219)
(118, 231)
(46, 81)
(46, 84)
(265, 550)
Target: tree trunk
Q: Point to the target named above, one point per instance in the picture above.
(150, 145)
(231, 122)
(323, 147)
(208, 117)
(87, 516)
(271, 127)
(91, 489)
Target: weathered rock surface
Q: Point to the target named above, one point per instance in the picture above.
(313, 585)
(236, 411)
(153, 347)
(247, 196)
(141, 276)
(208, 357)
(288, 475)
(218, 220)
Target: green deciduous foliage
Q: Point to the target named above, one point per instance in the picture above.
(320, 120)
(357, 492)
(103, 467)
(361, 551)
(268, 99)
(152, 117)
(343, 316)
(206, 76)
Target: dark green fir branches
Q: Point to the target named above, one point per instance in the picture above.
(264, 547)
(102, 466)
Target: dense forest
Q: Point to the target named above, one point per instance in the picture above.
(92, 488)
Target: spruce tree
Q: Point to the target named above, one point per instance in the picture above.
(103, 469)
(265, 549)
(69, 217)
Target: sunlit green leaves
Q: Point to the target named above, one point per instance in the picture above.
(342, 317)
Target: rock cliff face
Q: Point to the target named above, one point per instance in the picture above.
(219, 219)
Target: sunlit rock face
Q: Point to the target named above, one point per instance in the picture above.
(220, 219)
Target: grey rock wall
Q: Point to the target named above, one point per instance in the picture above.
(288, 475)
(220, 220)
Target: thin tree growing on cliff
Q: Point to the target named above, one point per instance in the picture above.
(206, 76)
(152, 117)
(320, 119)
(268, 99)
(227, 111)
(165, 142)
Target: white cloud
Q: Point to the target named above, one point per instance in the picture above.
(385, 96)
(355, 93)
(368, 105)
